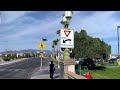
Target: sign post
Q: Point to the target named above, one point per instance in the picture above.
(66, 21)
(41, 56)
(66, 41)
(66, 38)
(41, 46)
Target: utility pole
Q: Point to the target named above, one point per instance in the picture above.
(118, 38)
(0, 17)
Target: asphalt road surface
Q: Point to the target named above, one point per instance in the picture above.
(23, 69)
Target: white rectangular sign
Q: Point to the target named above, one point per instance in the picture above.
(66, 38)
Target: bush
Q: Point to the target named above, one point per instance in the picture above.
(6, 59)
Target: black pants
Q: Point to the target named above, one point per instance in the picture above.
(51, 74)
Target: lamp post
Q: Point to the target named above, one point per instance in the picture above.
(118, 38)
(65, 22)
(0, 17)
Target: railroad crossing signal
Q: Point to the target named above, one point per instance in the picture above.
(41, 46)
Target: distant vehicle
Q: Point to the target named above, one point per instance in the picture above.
(112, 60)
(77, 62)
(87, 62)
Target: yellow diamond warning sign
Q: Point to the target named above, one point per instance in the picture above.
(41, 46)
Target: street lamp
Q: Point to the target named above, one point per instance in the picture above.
(65, 22)
(0, 17)
(118, 38)
(66, 18)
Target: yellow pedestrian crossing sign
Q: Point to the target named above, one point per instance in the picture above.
(41, 46)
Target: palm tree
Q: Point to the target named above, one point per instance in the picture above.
(57, 40)
(58, 32)
(55, 43)
(53, 47)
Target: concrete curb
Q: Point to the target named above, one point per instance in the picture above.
(13, 61)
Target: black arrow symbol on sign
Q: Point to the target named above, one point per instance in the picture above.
(64, 41)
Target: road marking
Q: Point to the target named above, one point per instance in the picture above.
(11, 70)
(2, 69)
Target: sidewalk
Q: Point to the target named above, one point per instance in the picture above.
(44, 74)
(39, 75)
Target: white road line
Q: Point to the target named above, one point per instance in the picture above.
(2, 69)
(11, 70)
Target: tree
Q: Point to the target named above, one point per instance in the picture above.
(58, 41)
(55, 43)
(89, 47)
(58, 32)
(53, 47)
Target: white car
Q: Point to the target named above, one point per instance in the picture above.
(77, 62)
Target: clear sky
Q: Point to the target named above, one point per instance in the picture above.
(24, 29)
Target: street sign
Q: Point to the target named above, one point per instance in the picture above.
(41, 46)
(66, 38)
(67, 32)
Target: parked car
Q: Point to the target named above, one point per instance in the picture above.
(87, 63)
(90, 64)
(112, 61)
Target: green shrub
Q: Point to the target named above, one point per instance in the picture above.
(6, 59)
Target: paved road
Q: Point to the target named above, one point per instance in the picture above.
(21, 70)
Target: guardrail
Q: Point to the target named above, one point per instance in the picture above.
(70, 75)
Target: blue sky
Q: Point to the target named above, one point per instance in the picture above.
(24, 29)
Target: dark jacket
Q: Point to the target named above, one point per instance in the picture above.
(52, 67)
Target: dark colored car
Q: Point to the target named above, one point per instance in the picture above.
(112, 61)
(87, 63)
(90, 64)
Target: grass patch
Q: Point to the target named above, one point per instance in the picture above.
(109, 73)
(108, 64)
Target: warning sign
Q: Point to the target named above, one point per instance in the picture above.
(67, 32)
(41, 45)
(66, 38)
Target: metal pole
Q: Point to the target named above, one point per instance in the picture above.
(118, 40)
(59, 52)
(41, 64)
